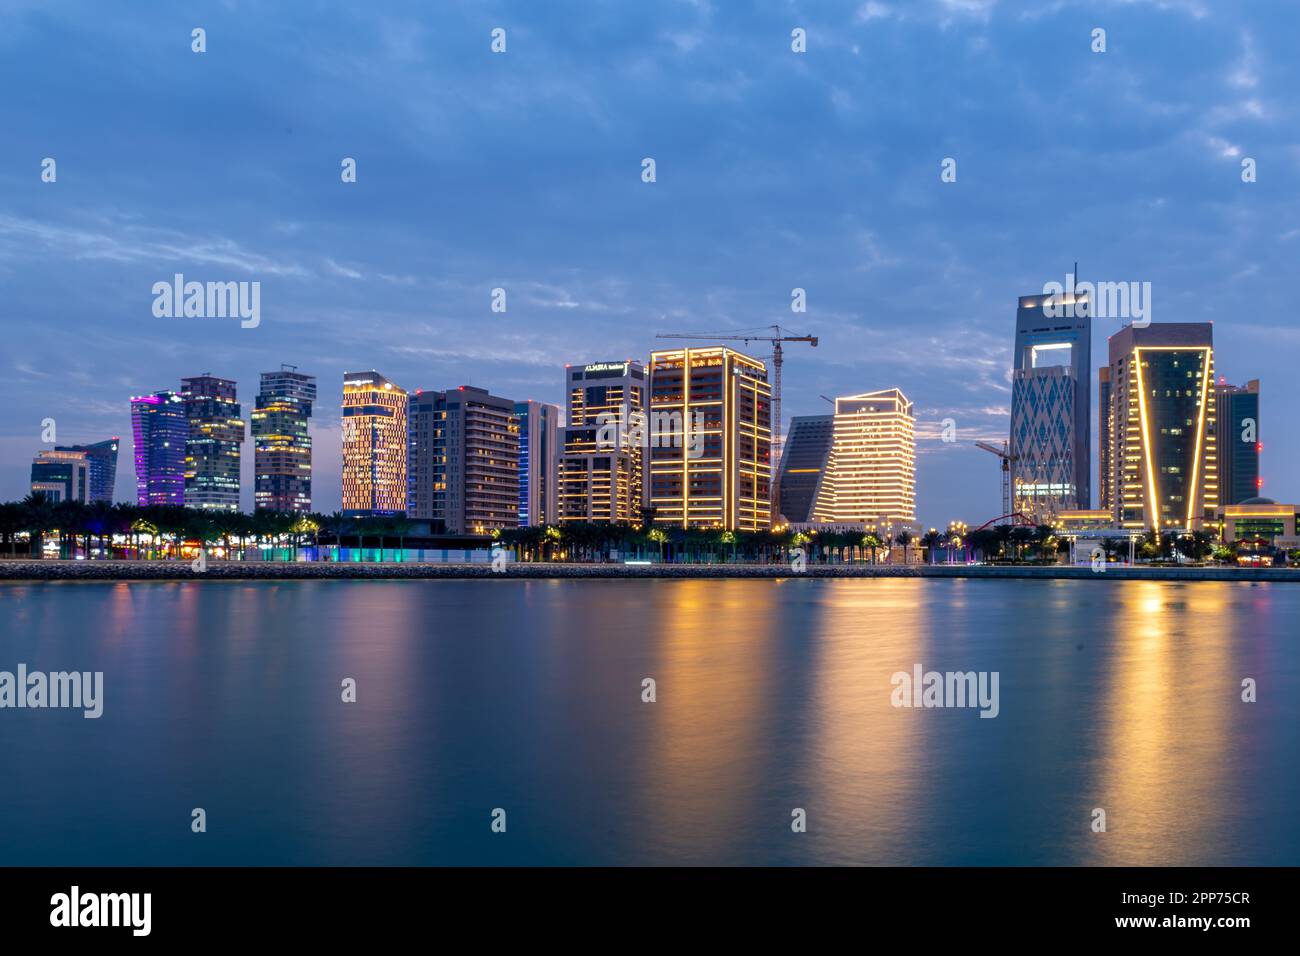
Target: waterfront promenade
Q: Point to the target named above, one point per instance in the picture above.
(15, 570)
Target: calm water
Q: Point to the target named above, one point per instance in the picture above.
(526, 695)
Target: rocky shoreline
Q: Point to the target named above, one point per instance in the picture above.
(17, 570)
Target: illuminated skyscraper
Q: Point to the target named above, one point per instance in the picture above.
(1238, 441)
(871, 472)
(464, 460)
(282, 444)
(1162, 428)
(212, 449)
(803, 465)
(537, 424)
(1105, 447)
(62, 475)
(160, 430)
(710, 429)
(102, 459)
(1051, 405)
(374, 445)
(601, 474)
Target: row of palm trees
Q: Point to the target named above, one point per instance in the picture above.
(162, 531)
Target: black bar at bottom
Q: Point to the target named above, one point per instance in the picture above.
(213, 905)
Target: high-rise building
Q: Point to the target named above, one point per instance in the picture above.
(601, 474)
(160, 430)
(464, 460)
(281, 441)
(1161, 427)
(1051, 388)
(1238, 441)
(711, 439)
(62, 475)
(1104, 448)
(216, 431)
(803, 464)
(871, 472)
(537, 425)
(374, 445)
(102, 459)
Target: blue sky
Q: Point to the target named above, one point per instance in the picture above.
(522, 170)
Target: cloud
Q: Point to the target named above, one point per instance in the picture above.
(131, 243)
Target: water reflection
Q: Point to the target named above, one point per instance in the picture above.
(526, 695)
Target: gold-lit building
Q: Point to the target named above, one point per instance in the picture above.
(871, 470)
(711, 439)
(601, 471)
(1159, 425)
(374, 445)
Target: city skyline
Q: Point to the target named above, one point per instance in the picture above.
(775, 172)
(478, 493)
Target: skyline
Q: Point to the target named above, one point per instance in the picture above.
(521, 171)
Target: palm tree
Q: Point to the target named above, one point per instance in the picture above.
(37, 518)
(905, 538)
(872, 543)
(11, 522)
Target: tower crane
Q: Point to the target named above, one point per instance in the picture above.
(1007, 458)
(768, 333)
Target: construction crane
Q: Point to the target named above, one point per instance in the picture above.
(1007, 458)
(777, 336)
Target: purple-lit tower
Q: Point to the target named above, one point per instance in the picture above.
(160, 428)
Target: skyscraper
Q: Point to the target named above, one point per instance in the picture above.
(537, 426)
(464, 460)
(711, 439)
(160, 429)
(1238, 441)
(62, 475)
(374, 445)
(871, 472)
(803, 464)
(1051, 405)
(1161, 426)
(1104, 446)
(601, 473)
(282, 444)
(212, 449)
(102, 459)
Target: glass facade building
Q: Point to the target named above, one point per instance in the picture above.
(1162, 427)
(62, 475)
(159, 429)
(537, 424)
(1051, 405)
(282, 442)
(803, 465)
(102, 459)
(1237, 421)
(212, 456)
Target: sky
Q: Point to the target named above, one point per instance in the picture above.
(522, 170)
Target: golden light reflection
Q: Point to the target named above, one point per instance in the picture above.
(1161, 772)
